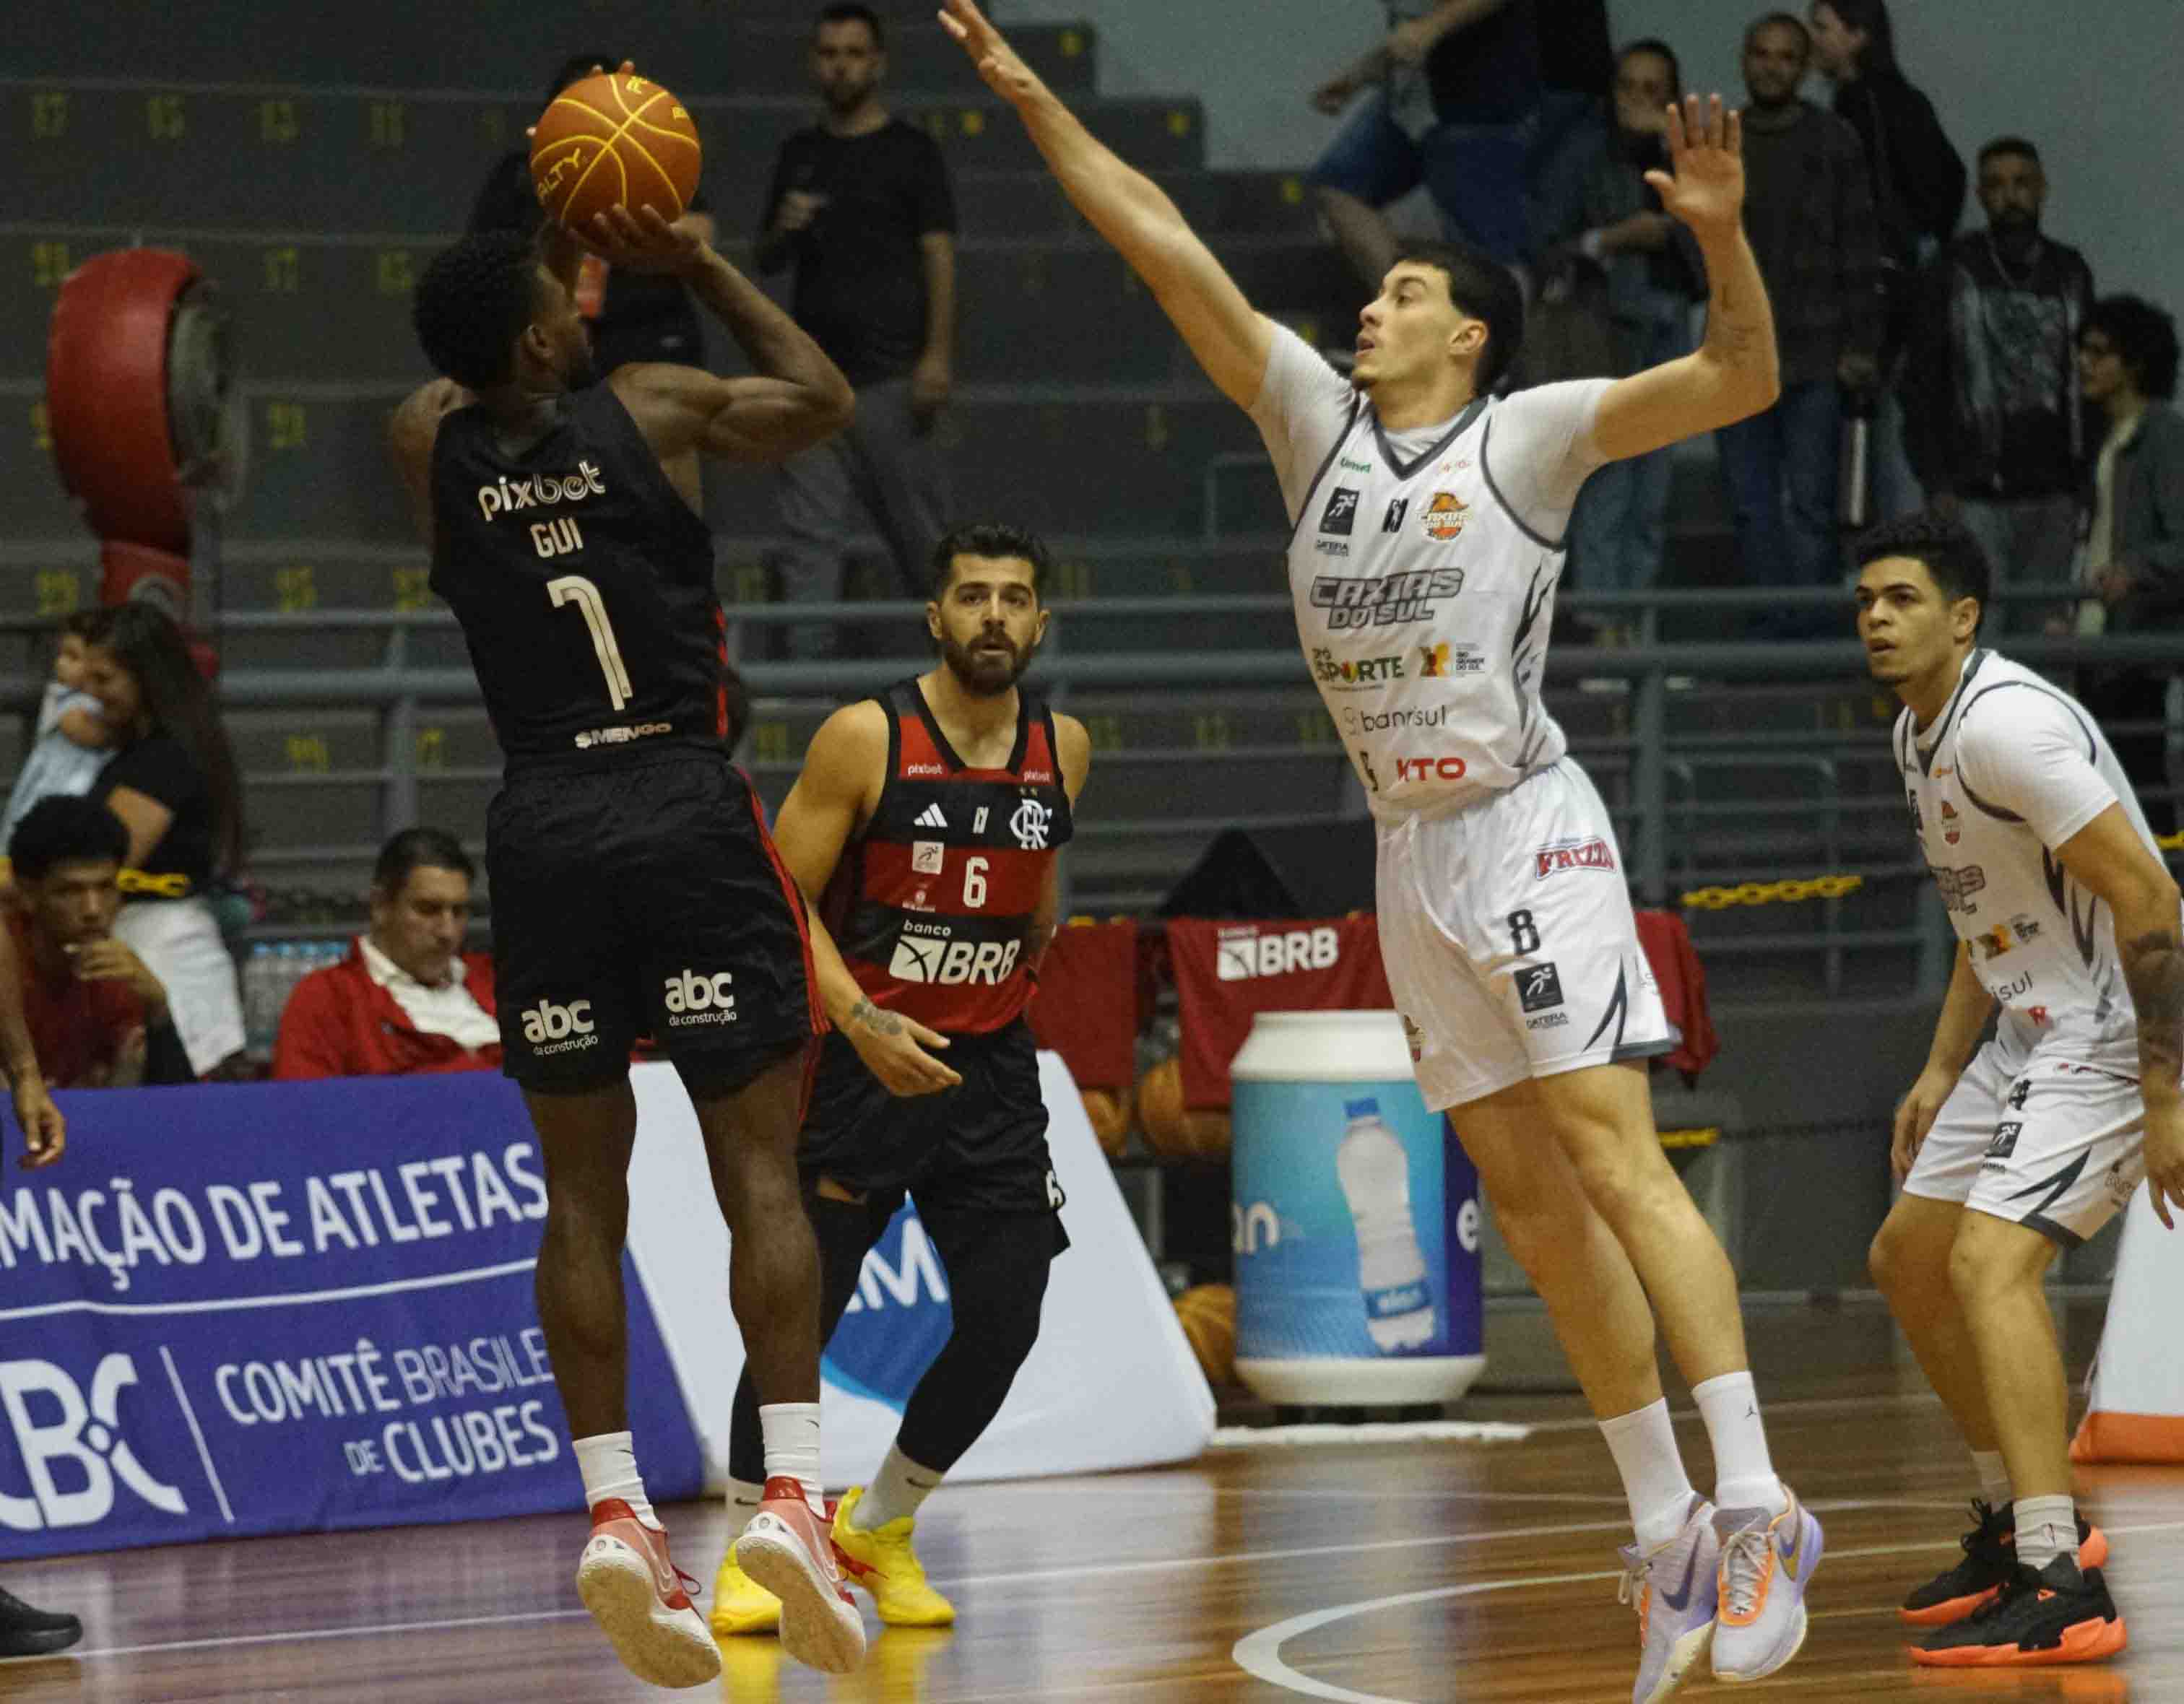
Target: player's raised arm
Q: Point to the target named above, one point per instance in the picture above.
(1734, 373)
(797, 395)
(1228, 337)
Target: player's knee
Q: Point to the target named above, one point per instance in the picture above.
(1533, 1235)
(1991, 1258)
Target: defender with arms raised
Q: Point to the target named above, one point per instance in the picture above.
(1428, 522)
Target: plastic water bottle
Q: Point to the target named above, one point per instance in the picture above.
(1391, 1271)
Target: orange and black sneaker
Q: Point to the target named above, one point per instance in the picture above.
(2062, 1614)
(1990, 1559)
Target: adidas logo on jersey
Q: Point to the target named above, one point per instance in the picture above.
(931, 818)
(694, 999)
(935, 960)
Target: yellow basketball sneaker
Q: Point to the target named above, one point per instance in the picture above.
(882, 1562)
(740, 1603)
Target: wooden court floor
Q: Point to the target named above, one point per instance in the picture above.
(1413, 1573)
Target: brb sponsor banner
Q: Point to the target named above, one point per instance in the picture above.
(287, 1307)
(1111, 1383)
(2137, 1412)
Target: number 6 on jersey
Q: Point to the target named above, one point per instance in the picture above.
(574, 589)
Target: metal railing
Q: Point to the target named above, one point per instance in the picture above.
(1662, 815)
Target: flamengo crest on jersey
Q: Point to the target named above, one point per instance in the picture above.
(2043, 945)
(1422, 605)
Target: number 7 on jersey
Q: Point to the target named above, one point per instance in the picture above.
(575, 589)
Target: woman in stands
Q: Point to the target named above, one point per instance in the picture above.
(172, 782)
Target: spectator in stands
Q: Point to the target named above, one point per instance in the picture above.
(1454, 94)
(73, 744)
(861, 202)
(1918, 181)
(1616, 530)
(97, 1015)
(172, 783)
(634, 316)
(408, 1000)
(1809, 213)
(2134, 558)
(1991, 401)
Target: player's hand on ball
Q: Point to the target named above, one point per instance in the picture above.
(1705, 185)
(2165, 1160)
(1005, 74)
(642, 242)
(1914, 1116)
(894, 1050)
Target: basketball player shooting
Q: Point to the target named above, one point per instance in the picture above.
(1423, 562)
(932, 819)
(635, 888)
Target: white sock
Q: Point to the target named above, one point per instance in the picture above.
(896, 1493)
(1744, 1476)
(1994, 1478)
(2047, 1528)
(792, 1447)
(608, 1462)
(1644, 1446)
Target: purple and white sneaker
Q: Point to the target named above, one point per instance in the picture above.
(1675, 1590)
(1766, 1560)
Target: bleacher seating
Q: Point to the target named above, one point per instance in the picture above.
(313, 170)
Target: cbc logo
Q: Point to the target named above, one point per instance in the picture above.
(53, 1423)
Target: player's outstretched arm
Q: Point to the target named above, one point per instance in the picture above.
(797, 396)
(2108, 858)
(1734, 373)
(1230, 340)
(844, 772)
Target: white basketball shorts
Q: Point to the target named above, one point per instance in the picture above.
(1507, 934)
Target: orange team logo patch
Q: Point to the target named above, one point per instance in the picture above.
(1444, 515)
(1433, 660)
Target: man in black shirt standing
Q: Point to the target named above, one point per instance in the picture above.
(860, 202)
(635, 889)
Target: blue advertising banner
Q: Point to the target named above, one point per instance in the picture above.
(234, 1310)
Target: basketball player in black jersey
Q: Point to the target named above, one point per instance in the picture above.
(635, 890)
(933, 818)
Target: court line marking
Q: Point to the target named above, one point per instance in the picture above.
(196, 1432)
(231, 1303)
(1803, 1404)
(1259, 1654)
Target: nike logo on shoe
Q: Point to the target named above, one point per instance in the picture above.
(1679, 1598)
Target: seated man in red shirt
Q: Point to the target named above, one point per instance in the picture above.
(96, 1015)
(407, 998)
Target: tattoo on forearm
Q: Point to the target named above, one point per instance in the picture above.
(2153, 968)
(875, 1019)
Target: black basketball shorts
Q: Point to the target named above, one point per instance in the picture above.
(645, 898)
(979, 1148)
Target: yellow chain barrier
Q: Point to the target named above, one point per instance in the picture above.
(1772, 893)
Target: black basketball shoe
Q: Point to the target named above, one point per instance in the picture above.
(1990, 1559)
(2062, 1614)
(28, 1631)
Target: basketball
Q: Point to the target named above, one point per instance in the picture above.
(1174, 1132)
(1109, 1114)
(1207, 1314)
(615, 140)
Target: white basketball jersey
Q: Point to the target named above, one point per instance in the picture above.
(2041, 944)
(1423, 604)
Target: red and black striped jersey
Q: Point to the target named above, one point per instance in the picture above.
(934, 900)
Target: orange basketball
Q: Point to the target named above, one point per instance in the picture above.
(1110, 1114)
(615, 139)
(1172, 1130)
(1207, 1314)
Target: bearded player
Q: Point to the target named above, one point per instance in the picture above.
(630, 864)
(1428, 520)
(932, 819)
(2067, 920)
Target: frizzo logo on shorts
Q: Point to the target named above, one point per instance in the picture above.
(693, 998)
(506, 496)
(551, 1028)
(54, 1424)
(1241, 954)
(1595, 854)
(1354, 601)
(925, 953)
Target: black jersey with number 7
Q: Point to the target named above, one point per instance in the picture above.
(584, 585)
